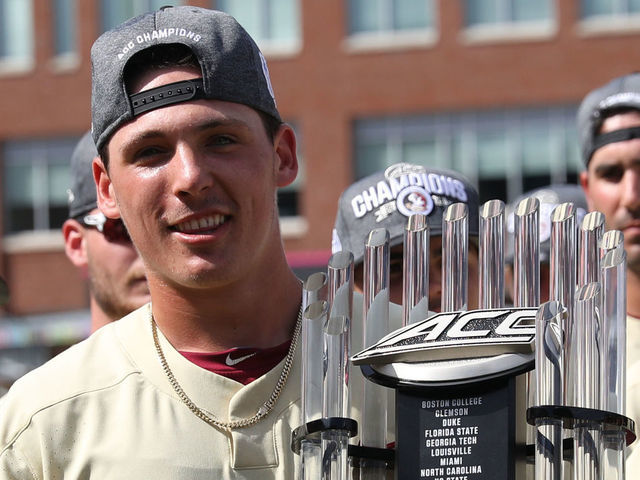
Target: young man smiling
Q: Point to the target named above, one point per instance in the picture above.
(192, 151)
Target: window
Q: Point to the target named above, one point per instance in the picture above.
(273, 24)
(389, 24)
(16, 33)
(64, 27)
(609, 16)
(505, 153)
(609, 8)
(36, 178)
(508, 19)
(479, 12)
(367, 16)
(114, 12)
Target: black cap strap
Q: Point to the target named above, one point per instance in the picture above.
(166, 95)
(613, 137)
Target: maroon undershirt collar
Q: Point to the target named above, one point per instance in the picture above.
(242, 364)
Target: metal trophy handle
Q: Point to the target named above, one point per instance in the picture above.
(322, 439)
(326, 425)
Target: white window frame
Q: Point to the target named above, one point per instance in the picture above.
(618, 22)
(11, 65)
(511, 31)
(391, 39)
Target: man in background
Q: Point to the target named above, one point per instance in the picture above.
(100, 247)
(373, 202)
(609, 128)
(386, 199)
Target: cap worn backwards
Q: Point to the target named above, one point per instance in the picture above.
(387, 199)
(549, 198)
(233, 68)
(620, 93)
(82, 194)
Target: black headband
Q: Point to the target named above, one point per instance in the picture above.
(166, 95)
(613, 137)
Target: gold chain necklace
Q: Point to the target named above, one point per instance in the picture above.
(262, 412)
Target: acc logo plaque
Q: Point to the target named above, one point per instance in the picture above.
(456, 346)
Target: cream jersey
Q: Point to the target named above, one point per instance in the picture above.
(105, 409)
(633, 341)
(633, 392)
(633, 411)
(633, 386)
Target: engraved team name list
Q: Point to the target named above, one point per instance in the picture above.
(456, 438)
(452, 440)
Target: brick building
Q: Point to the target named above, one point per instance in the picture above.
(486, 87)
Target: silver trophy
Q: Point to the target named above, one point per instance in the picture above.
(322, 439)
(469, 384)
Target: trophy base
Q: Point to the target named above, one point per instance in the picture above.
(572, 417)
(358, 454)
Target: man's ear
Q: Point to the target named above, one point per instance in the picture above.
(285, 148)
(74, 243)
(104, 192)
(584, 181)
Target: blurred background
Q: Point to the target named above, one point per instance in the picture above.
(486, 87)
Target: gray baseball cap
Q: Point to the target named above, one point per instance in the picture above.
(549, 197)
(82, 194)
(620, 93)
(388, 198)
(233, 68)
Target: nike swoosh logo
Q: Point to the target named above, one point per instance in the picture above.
(234, 361)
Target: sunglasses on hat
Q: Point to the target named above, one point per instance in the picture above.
(112, 229)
